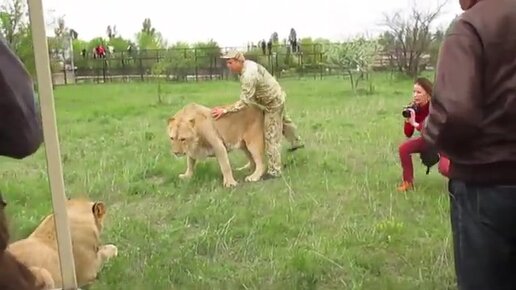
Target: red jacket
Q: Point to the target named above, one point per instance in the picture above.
(421, 115)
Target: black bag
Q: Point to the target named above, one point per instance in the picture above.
(429, 157)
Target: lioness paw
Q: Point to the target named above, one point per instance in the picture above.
(43, 278)
(252, 178)
(185, 175)
(230, 183)
(109, 251)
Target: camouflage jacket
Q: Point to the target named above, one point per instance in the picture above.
(258, 87)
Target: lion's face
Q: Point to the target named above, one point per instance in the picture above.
(182, 134)
(80, 207)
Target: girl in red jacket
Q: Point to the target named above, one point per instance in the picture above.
(421, 101)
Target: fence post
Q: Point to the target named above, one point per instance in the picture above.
(141, 64)
(64, 73)
(319, 55)
(315, 60)
(301, 63)
(271, 65)
(212, 62)
(195, 60)
(123, 66)
(103, 70)
(278, 74)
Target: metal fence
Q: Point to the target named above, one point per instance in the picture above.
(194, 64)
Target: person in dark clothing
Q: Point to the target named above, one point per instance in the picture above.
(13, 274)
(264, 46)
(472, 119)
(20, 136)
(20, 127)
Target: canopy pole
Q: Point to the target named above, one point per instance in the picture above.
(51, 141)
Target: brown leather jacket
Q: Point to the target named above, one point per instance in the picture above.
(472, 116)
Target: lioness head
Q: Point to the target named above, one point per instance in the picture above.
(99, 212)
(80, 207)
(182, 134)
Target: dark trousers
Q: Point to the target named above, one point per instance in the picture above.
(483, 220)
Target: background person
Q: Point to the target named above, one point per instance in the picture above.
(419, 109)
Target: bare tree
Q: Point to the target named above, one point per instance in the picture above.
(274, 37)
(407, 40)
(60, 30)
(111, 31)
(292, 39)
(147, 27)
(60, 46)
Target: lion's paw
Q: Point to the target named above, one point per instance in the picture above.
(252, 178)
(43, 278)
(185, 176)
(230, 183)
(110, 251)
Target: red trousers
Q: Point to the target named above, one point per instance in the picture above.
(417, 145)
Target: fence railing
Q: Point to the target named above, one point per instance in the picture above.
(195, 64)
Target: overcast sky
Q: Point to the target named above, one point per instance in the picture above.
(233, 22)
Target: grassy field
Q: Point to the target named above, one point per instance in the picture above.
(335, 221)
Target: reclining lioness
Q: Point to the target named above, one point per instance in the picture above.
(39, 250)
(194, 133)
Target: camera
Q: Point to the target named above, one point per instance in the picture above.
(406, 112)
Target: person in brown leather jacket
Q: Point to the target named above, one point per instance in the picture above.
(20, 136)
(472, 120)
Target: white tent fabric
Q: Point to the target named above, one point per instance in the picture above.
(51, 141)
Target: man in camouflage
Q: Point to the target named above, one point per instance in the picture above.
(260, 88)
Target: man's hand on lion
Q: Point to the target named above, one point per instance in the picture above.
(217, 112)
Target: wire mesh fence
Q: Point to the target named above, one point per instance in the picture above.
(195, 64)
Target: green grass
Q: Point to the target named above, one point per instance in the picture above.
(335, 221)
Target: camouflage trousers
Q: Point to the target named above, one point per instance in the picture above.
(276, 124)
